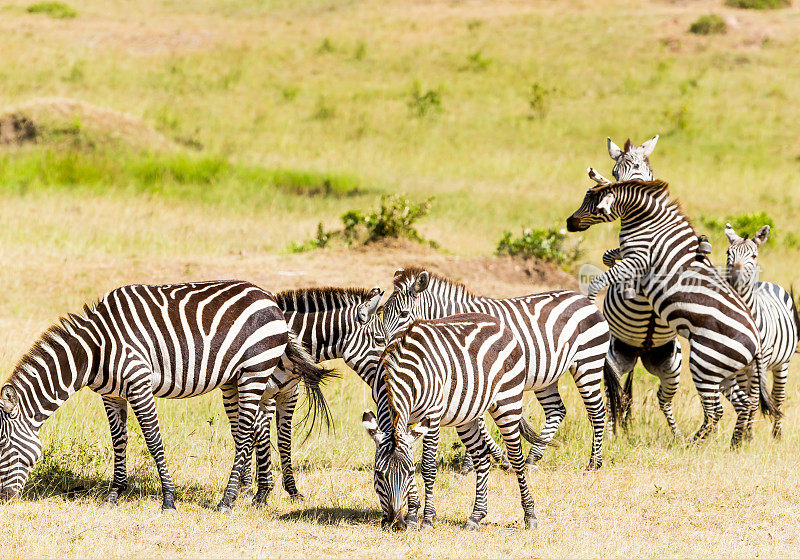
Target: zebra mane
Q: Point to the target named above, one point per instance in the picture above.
(653, 187)
(408, 274)
(64, 328)
(314, 299)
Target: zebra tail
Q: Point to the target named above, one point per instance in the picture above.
(768, 406)
(795, 314)
(614, 393)
(314, 377)
(530, 434)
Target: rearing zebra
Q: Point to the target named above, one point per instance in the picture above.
(556, 331)
(636, 331)
(447, 372)
(140, 342)
(774, 310)
(332, 322)
(659, 248)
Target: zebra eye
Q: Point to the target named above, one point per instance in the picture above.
(404, 314)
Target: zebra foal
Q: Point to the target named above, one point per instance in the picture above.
(140, 342)
(659, 248)
(447, 372)
(774, 311)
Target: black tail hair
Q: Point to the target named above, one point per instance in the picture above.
(613, 393)
(314, 377)
(767, 405)
(530, 434)
(794, 312)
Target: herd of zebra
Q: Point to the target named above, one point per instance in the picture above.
(434, 355)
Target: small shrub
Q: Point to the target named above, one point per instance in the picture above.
(324, 110)
(57, 10)
(538, 101)
(744, 224)
(361, 51)
(424, 103)
(544, 244)
(476, 62)
(394, 218)
(758, 4)
(325, 47)
(710, 24)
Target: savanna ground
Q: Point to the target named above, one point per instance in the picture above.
(247, 122)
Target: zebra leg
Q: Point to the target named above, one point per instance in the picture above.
(779, 375)
(665, 363)
(263, 452)
(117, 412)
(498, 455)
(554, 413)
(473, 438)
(430, 445)
(588, 378)
(285, 410)
(622, 358)
(708, 388)
(508, 423)
(144, 408)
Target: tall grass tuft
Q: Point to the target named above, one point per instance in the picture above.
(57, 10)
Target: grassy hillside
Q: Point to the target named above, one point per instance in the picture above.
(207, 135)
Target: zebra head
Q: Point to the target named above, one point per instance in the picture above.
(742, 258)
(599, 205)
(632, 161)
(369, 338)
(394, 467)
(400, 309)
(19, 444)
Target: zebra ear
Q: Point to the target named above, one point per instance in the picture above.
(613, 149)
(9, 400)
(368, 309)
(421, 283)
(649, 146)
(731, 234)
(604, 205)
(420, 430)
(371, 425)
(761, 235)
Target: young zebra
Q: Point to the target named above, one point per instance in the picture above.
(636, 331)
(684, 289)
(332, 323)
(447, 372)
(556, 331)
(140, 342)
(774, 310)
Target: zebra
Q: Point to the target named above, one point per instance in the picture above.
(636, 331)
(660, 250)
(447, 372)
(140, 342)
(774, 311)
(332, 322)
(556, 331)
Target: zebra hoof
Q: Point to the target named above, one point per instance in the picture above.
(296, 497)
(531, 467)
(223, 507)
(505, 465)
(465, 471)
(427, 524)
(530, 523)
(168, 511)
(470, 525)
(260, 499)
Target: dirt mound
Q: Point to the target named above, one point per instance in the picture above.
(44, 118)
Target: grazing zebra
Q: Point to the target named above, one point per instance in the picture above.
(774, 310)
(332, 323)
(659, 248)
(140, 342)
(447, 372)
(636, 331)
(556, 331)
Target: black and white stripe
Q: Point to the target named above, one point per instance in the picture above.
(659, 249)
(773, 308)
(141, 342)
(447, 372)
(557, 331)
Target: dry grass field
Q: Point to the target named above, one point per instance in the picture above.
(196, 143)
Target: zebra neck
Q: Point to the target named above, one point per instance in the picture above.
(56, 368)
(446, 299)
(323, 333)
(658, 224)
(748, 295)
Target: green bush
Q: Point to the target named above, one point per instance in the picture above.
(744, 224)
(710, 24)
(394, 218)
(544, 244)
(758, 4)
(424, 103)
(57, 10)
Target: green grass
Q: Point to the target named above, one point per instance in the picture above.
(710, 24)
(758, 4)
(57, 10)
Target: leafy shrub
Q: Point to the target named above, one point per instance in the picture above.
(710, 24)
(743, 224)
(538, 101)
(394, 218)
(758, 4)
(477, 62)
(544, 244)
(57, 10)
(424, 103)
